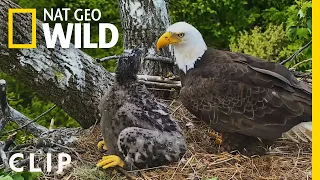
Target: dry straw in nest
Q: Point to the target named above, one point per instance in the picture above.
(285, 160)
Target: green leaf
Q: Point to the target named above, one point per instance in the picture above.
(30, 175)
(308, 52)
(215, 178)
(300, 14)
(6, 177)
(35, 175)
(17, 177)
(303, 33)
(27, 176)
(309, 23)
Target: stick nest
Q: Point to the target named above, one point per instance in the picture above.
(285, 159)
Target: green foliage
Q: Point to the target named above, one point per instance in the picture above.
(267, 45)
(221, 21)
(214, 178)
(299, 32)
(28, 103)
(277, 43)
(19, 175)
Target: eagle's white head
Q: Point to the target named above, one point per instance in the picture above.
(187, 43)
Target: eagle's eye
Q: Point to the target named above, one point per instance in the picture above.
(180, 35)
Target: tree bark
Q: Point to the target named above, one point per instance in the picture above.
(67, 77)
(4, 107)
(32, 127)
(143, 22)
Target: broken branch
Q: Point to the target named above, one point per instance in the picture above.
(163, 85)
(151, 58)
(3, 105)
(34, 120)
(158, 81)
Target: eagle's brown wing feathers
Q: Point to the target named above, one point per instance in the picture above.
(238, 93)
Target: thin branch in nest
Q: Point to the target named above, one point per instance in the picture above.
(151, 58)
(108, 58)
(20, 119)
(123, 171)
(298, 64)
(159, 90)
(34, 120)
(158, 81)
(296, 53)
(70, 149)
(20, 146)
(180, 162)
(8, 113)
(162, 85)
(160, 58)
(301, 74)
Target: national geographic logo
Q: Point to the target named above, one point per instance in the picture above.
(33, 31)
(79, 31)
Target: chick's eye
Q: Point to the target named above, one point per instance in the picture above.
(181, 35)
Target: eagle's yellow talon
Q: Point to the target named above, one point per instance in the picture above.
(218, 138)
(218, 141)
(102, 145)
(110, 161)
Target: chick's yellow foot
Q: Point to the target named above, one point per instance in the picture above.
(110, 161)
(216, 136)
(102, 145)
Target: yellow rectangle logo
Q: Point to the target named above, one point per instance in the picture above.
(33, 32)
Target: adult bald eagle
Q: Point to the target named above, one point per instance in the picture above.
(135, 126)
(240, 95)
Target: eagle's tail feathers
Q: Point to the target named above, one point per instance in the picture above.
(301, 132)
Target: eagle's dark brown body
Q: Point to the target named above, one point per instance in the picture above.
(234, 92)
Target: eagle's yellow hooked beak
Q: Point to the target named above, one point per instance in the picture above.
(166, 39)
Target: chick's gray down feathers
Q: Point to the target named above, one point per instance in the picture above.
(135, 126)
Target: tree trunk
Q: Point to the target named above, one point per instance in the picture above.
(143, 22)
(67, 77)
